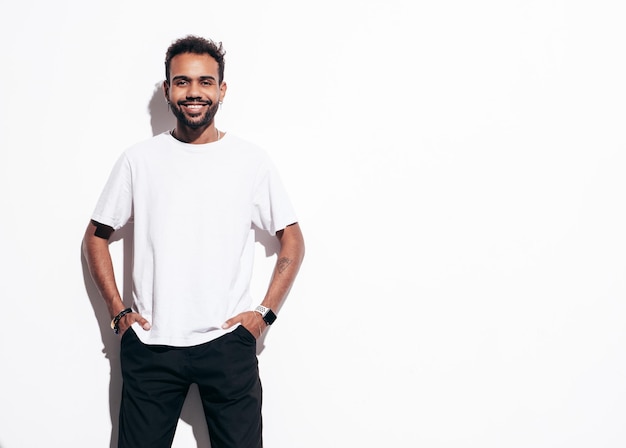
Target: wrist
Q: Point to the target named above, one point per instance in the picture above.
(116, 320)
(266, 313)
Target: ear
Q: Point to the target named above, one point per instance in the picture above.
(166, 91)
(223, 88)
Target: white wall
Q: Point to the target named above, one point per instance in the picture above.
(458, 168)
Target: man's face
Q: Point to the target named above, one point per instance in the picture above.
(194, 91)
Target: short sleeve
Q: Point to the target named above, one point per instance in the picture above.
(272, 208)
(114, 207)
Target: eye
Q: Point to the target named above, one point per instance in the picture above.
(181, 82)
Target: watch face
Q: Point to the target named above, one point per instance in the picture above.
(269, 317)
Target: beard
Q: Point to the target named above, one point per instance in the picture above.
(195, 122)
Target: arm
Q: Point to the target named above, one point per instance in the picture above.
(98, 256)
(287, 266)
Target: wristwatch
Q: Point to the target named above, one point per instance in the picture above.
(268, 315)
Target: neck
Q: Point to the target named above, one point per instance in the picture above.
(196, 136)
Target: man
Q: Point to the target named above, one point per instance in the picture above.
(194, 195)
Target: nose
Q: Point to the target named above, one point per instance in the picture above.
(193, 93)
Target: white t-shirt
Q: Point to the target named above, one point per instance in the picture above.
(193, 207)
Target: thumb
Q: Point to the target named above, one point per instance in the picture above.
(230, 322)
(143, 322)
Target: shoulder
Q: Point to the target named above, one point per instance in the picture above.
(243, 146)
(245, 152)
(148, 145)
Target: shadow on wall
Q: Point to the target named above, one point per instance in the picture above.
(110, 341)
(192, 412)
(161, 119)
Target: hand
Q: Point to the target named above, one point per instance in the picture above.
(128, 319)
(251, 321)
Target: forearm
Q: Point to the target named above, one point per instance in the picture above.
(98, 257)
(287, 266)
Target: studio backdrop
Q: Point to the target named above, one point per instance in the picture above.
(458, 173)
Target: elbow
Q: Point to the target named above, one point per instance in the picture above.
(85, 243)
(292, 242)
(301, 249)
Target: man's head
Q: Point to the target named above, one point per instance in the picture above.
(194, 85)
(195, 45)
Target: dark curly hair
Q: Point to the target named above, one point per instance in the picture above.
(195, 45)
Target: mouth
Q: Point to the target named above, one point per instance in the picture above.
(194, 103)
(194, 106)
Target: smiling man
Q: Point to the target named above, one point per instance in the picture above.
(194, 194)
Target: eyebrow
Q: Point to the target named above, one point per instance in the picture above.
(187, 78)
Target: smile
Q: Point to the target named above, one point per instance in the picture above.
(194, 106)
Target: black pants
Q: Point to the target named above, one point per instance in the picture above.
(156, 380)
